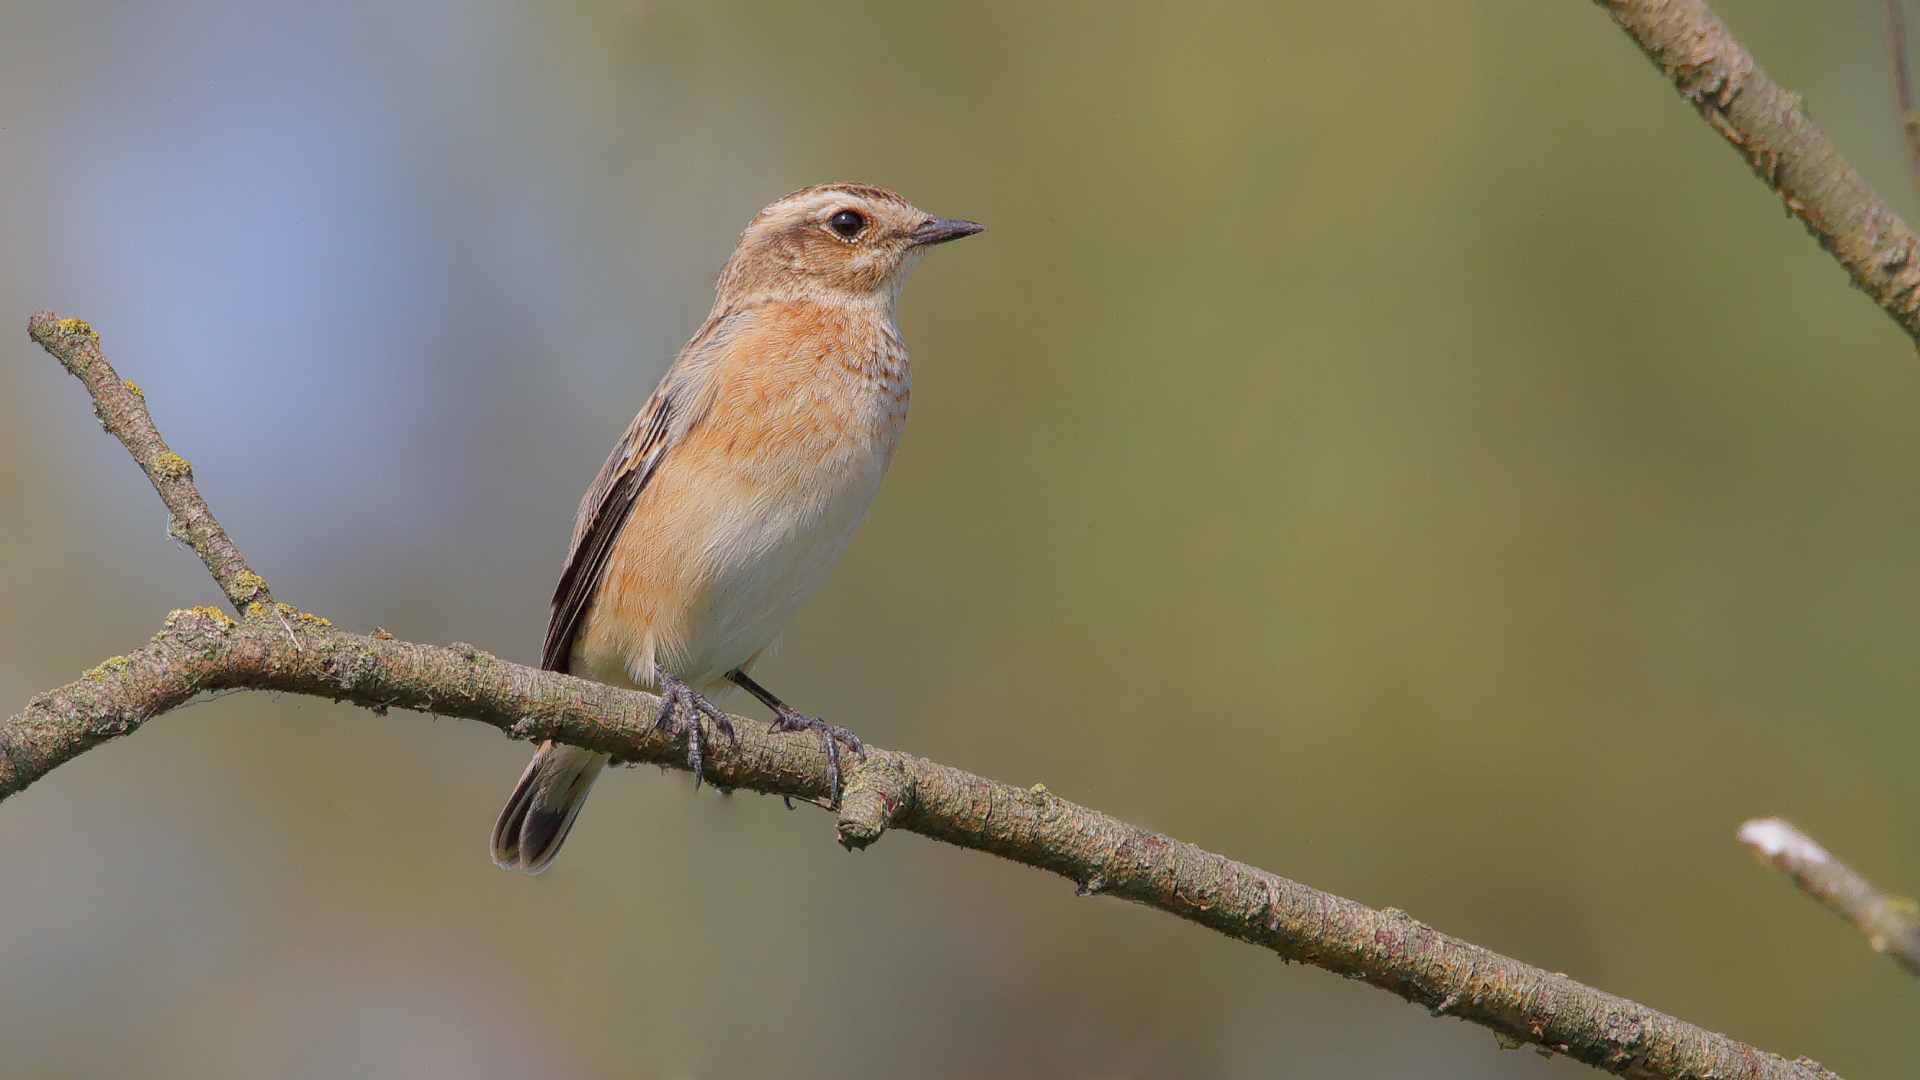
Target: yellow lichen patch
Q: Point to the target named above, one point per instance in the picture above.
(112, 665)
(381, 633)
(214, 614)
(135, 390)
(168, 465)
(218, 618)
(247, 584)
(76, 326)
(288, 610)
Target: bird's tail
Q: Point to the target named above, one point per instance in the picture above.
(548, 798)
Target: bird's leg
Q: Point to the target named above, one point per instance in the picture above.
(681, 708)
(788, 718)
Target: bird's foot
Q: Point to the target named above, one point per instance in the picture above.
(681, 708)
(788, 718)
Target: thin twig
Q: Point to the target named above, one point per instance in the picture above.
(203, 650)
(1903, 86)
(1786, 150)
(1891, 924)
(122, 409)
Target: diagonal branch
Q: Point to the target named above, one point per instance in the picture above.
(1891, 924)
(201, 650)
(1903, 86)
(122, 409)
(1786, 150)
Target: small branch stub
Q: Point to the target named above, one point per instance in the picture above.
(1891, 924)
(878, 791)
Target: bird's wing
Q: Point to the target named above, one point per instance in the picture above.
(675, 407)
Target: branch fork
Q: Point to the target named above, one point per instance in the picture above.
(277, 647)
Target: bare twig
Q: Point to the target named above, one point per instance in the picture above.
(201, 650)
(1903, 86)
(122, 409)
(1786, 150)
(1891, 924)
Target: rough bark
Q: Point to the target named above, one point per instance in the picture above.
(1786, 150)
(122, 410)
(277, 647)
(288, 651)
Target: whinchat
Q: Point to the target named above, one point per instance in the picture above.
(736, 489)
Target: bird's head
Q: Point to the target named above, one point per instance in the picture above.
(839, 241)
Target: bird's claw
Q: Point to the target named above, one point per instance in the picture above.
(681, 708)
(831, 736)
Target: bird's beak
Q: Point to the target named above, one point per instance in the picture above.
(939, 230)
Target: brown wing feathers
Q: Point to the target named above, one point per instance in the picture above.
(622, 479)
(631, 466)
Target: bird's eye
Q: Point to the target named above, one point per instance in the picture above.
(847, 223)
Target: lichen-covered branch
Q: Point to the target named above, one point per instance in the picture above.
(1891, 924)
(122, 409)
(279, 648)
(203, 650)
(1786, 150)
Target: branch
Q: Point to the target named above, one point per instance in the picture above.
(280, 648)
(122, 410)
(1786, 150)
(203, 650)
(1891, 924)
(1792, 156)
(1903, 86)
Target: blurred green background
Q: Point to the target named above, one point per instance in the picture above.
(1392, 443)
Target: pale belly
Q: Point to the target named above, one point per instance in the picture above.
(713, 565)
(768, 558)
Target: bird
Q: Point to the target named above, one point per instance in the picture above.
(735, 490)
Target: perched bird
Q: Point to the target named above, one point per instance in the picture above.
(737, 487)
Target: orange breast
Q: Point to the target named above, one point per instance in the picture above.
(804, 412)
(806, 383)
